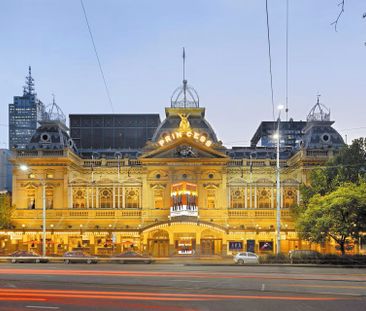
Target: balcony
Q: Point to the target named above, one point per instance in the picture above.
(58, 214)
(184, 210)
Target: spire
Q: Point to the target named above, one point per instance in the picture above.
(184, 96)
(28, 89)
(184, 78)
(318, 99)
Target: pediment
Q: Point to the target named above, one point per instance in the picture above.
(184, 149)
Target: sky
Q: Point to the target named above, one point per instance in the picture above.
(140, 42)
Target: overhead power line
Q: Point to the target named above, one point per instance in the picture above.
(287, 26)
(270, 61)
(96, 54)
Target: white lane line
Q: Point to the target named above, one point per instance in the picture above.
(189, 281)
(42, 307)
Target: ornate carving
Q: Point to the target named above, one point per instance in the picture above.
(184, 125)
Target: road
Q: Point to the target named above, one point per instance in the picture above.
(178, 287)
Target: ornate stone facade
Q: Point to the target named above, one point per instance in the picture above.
(186, 194)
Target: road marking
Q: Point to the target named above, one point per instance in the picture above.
(326, 286)
(189, 281)
(42, 307)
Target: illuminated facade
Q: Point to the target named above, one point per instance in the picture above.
(182, 194)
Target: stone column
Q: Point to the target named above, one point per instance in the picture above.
(97, 197)
(123, 197)
(87, 197)
(114, 197)
(70, 190)
(246, 196)
(272, 198)
(255, 196)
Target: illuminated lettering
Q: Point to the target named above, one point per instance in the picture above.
(208, 143)
(176, 135)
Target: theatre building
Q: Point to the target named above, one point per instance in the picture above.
(119, 182)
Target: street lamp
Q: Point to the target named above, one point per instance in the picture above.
(25, 168)
(278, 186)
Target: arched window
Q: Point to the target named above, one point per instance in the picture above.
(290, 197)
(159, 198)
(49, 197)
(31, 198)
(237, 197)
(264, 198)
(79, 198)
(211, 198)
(106, 198)
(132, 197)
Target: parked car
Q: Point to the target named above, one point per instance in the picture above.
(304, 256)
(133, 257)
(246, 257)
(28, 257)
(79, 257)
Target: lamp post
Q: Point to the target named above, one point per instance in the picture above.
(278, 181)
(25, 168)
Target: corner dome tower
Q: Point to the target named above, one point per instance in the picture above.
(318, 132)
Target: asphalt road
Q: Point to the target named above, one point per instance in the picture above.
(169, 287)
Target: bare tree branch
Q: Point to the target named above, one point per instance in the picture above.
(335, 23)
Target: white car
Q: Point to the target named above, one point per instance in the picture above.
(246, 257)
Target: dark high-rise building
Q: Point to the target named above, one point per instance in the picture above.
(5, 170)
(110, 133)
(24, 114)
(291, 133)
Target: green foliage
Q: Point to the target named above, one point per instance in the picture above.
(349, 166)
(5, 211)
(340, 214)
(333, 203)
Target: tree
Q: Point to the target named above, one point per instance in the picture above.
(5, 210)
(340, 214)
(349, 166)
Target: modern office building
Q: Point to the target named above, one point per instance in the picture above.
(167, 188)
(106, 134)
(24, 114)
(5, 170)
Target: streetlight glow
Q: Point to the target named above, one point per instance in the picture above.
(280, 107)
(24, 167)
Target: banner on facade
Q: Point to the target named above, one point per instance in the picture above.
(251, 246)
(266, 245)
(235, 245)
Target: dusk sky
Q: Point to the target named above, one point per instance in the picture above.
(140, 48)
